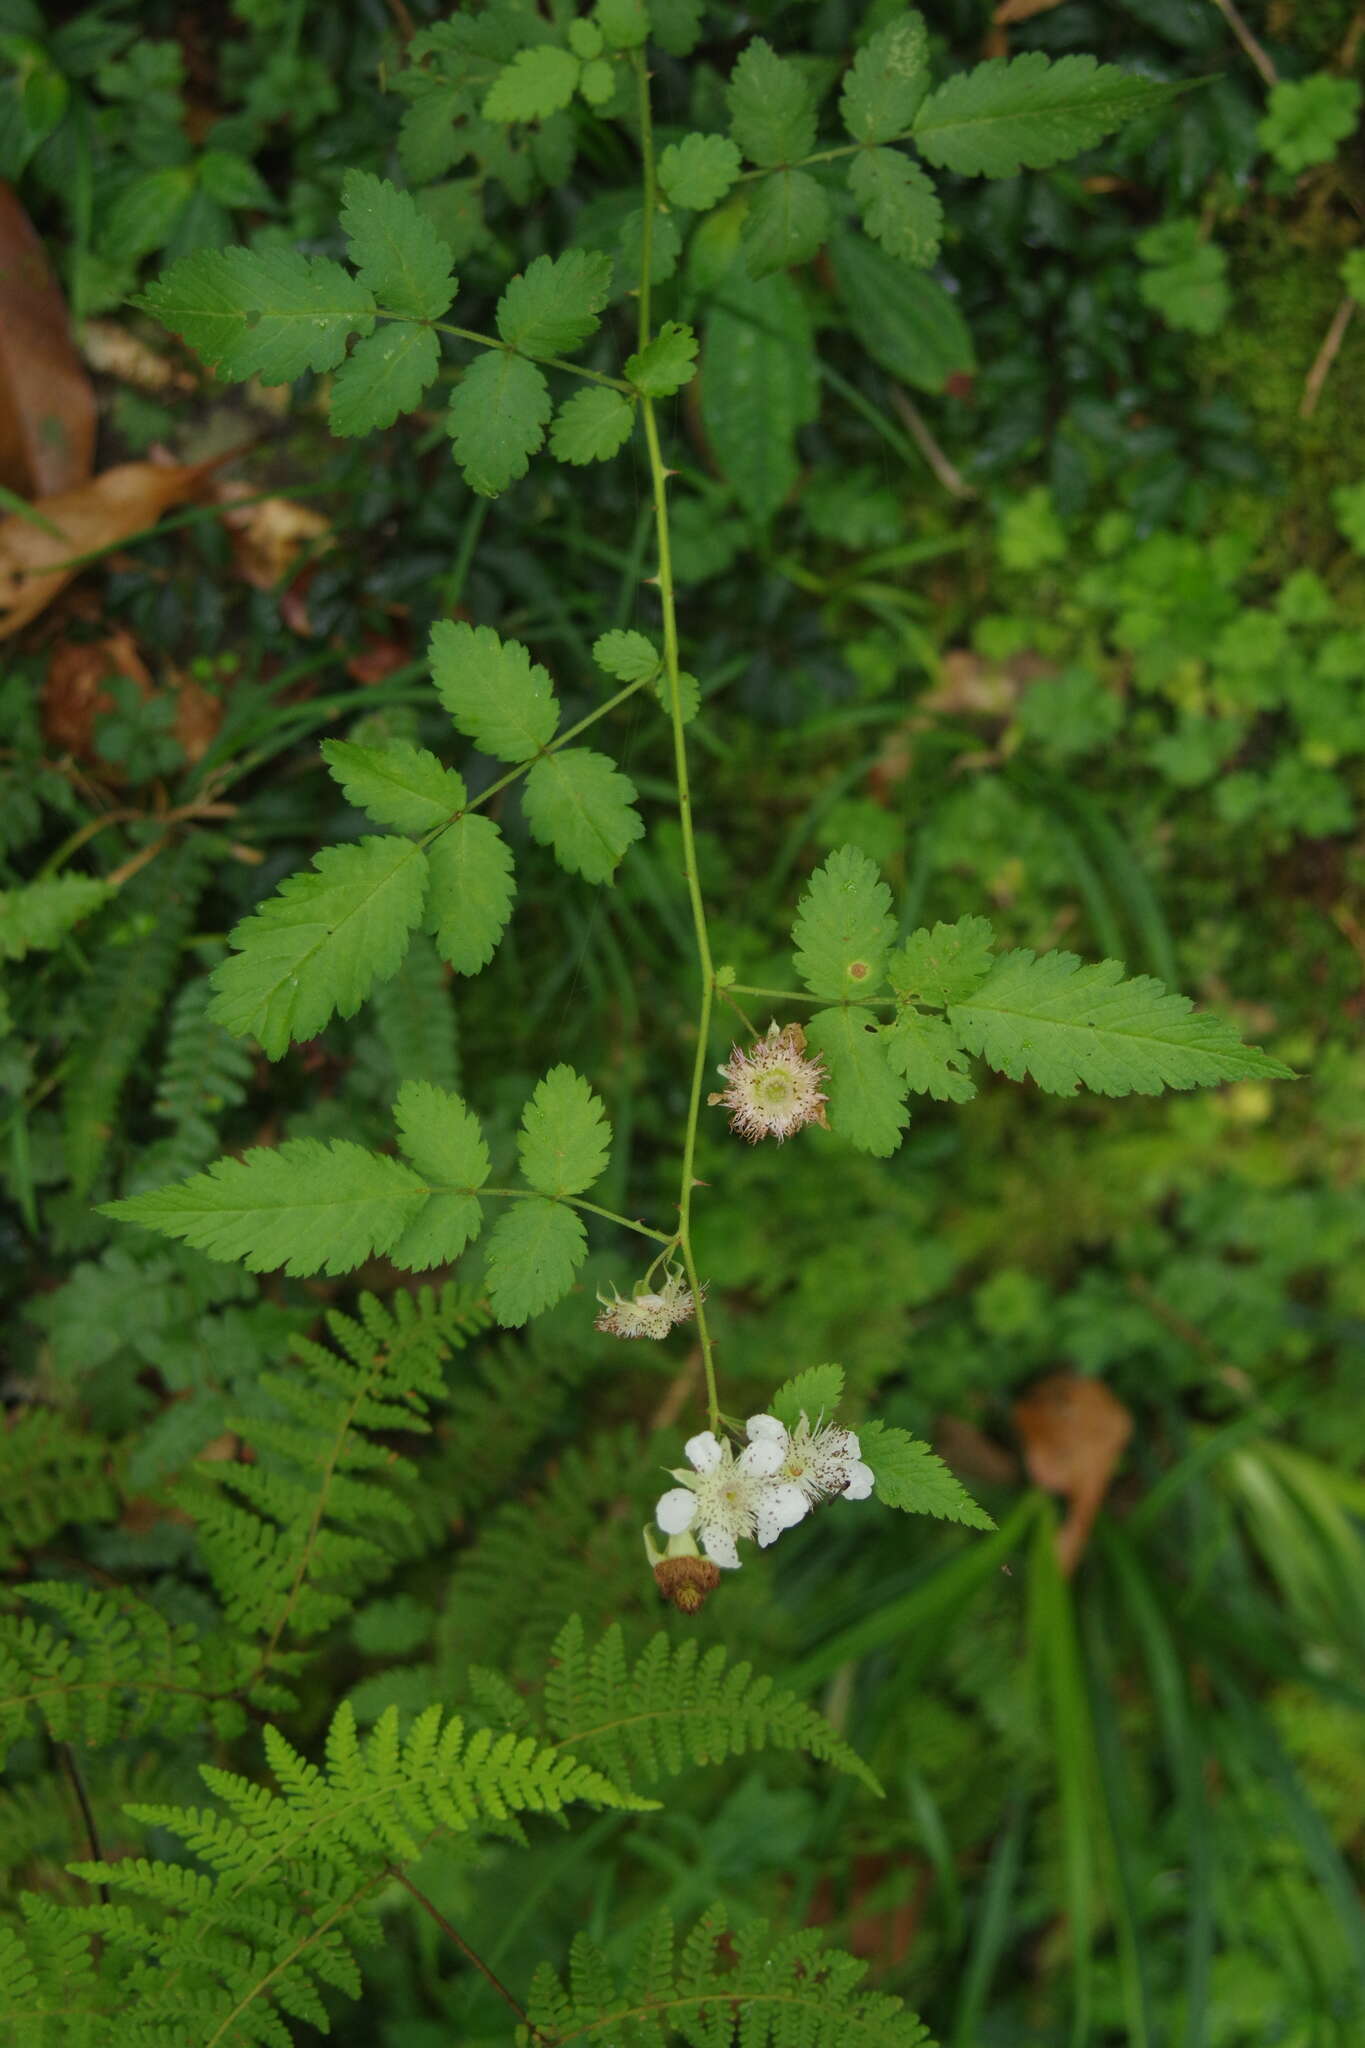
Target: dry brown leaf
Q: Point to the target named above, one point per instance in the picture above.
(47, 406)
(378, 656)
(198, 715)
(269, 536)
(1021, 10)
(73, 689)
(1074, 1432)
(35, 563)
(967, 1450)
(114, 352)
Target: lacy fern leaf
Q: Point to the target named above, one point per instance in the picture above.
(111, 1665)
(674, 1706)
(747, 1984)
(283, 1894)
(291, 1537)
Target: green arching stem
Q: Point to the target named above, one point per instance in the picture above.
(659, 483)
(801, 995)
(571, 1201)
(523, 767)
(508, 349)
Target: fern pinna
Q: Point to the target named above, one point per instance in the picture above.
(721, 1986)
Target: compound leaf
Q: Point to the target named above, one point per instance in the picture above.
(908, 1476)
(697, 172)
(866, 1101)
(496, 694)
(536, 84)
(899, 205)
(666, 363)
(1024, 113)
(815, 1392)
(471, 892)
(579, 804)
(1070, 1025)
(396, 250)
(305, 1206)
(36, 918)
(887, 81)
(496, 419)
(321, 942)
(534, 1250)
(786, 224)
(385, 375)
(442, 1140)
(441, 1137)
(628, 656)
(772, 108)
(396, 784)
(925, 1052)
(552, 308)
(592, 426)
(269, 313)
(843, 927)
(565, 1136)
(946, 964)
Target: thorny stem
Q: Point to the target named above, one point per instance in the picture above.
(659, 483)
(433, 1912)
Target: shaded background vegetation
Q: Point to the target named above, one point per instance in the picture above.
(1094, 663)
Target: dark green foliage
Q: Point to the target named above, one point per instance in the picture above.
(1052, 663)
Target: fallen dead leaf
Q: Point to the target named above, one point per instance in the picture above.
(114, 352)
(378, 657)
(1074, 1431)
(47, 405)
(74, 693)
(36, 561)
(198, 715)
(269, 536)
(1021, 10)
(967, 1450)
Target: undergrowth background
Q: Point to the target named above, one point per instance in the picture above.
(1064, 622)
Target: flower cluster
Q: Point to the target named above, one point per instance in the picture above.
(649, 1314)
(773, 1089)
(778, 1477)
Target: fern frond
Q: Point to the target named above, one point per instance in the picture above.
(676, 1705)
(203, 1072)
(535, 1560)
(284, 1894)
(50, 1474)
(123, 998)
(291, 1538)
(749, 1986)
(416, 1019)
(113, 1666)
(47, 1982)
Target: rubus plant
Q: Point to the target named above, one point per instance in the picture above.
(292, 1881)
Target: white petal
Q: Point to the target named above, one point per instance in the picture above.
(778, 1508)
(861, 1480)
(761, 1460)
(764, 1426)
(719, 1546)
(676, 1511)
(704, 1451)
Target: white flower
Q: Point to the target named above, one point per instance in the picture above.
(814, 1464)
(724, 1497)
(773, 1089)
(648, 1315)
